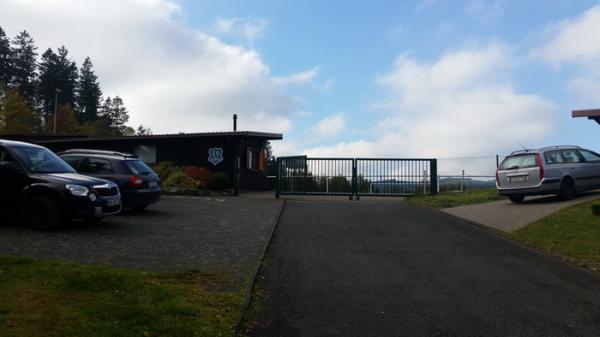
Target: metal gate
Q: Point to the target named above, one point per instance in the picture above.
(355, 177)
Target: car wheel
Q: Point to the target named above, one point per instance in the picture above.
(44, 212)
(567, 189)
(517, 198)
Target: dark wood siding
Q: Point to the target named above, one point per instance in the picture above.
(185, 151)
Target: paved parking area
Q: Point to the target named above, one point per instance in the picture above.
(509, 217)
(224, 235)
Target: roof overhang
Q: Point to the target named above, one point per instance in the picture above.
(593, 114)
(233, 134)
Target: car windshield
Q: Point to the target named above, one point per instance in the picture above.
(42, 160)
(138, 167)
(518, 162)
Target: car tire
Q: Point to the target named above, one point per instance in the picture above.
(517, 198)
(43, 212)
(567, 189)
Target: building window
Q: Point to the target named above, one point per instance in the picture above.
(146, 152)
(253, 157)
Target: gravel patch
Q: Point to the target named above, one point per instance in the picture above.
(224, 235)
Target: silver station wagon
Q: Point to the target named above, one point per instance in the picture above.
(561, 170)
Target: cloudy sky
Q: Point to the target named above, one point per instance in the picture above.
(357, 78)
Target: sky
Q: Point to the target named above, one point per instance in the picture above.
(457, 80)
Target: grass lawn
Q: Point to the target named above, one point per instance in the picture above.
(454, 199)
(573, 233)
(47, 298)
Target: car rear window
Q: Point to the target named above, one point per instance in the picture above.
(138, 167)
(518, 162)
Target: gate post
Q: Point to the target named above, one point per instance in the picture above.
(433, 176)
(354, 180)
(278, 179)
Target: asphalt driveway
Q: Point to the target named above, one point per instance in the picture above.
(340, 268)
(220, 235)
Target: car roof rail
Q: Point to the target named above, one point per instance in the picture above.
(523, 151)
(102, 152)
(558, 147)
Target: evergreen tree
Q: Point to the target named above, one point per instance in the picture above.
(15, 115)
(68, 76)
(143, 131)
(49, 81)
(57, 73)
(88, 93)
(5, 59)
(114, 111)
(24, 66)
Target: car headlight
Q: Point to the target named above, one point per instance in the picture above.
(78, 190)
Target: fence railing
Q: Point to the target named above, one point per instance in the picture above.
(355, 177)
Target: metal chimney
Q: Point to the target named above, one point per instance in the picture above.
(234, 122)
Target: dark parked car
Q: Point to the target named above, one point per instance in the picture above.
(37, 185)
(139, 185)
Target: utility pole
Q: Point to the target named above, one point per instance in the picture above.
(55, 109)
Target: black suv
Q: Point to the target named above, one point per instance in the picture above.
(39, 186)
(139, 185)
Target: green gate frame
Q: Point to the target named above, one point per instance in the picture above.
(409, 168)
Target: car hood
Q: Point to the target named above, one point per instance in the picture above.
(69, 178)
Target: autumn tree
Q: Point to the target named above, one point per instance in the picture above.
(15, 115)
(66, 121)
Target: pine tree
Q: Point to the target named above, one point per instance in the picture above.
(16, 117)
(49, 81)
(68, 76)
(58, 74)
(88, 93)
(114, 111)
(24, 66)
(5, 59)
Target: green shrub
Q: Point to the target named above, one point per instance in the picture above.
(177, 179)
(164, 169)
(220, 181)
(596, 209)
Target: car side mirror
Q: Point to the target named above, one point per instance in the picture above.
(8, 166)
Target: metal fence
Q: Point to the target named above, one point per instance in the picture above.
(355, 177)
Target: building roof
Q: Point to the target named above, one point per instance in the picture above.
(246, 134)
(586, 113)
(593, 114)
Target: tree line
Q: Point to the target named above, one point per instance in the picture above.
(32, 90)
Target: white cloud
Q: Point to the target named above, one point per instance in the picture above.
(457, 106)
(171, 77)
(297, 78)
(575, 39)
(329, 127)
(251, 28)
(486, 11)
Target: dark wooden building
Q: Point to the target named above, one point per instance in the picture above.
(216, 151)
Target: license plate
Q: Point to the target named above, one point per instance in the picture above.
(113, 202)
(517, 179)
(152, 184)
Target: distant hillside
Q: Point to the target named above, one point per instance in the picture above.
(469, 183)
